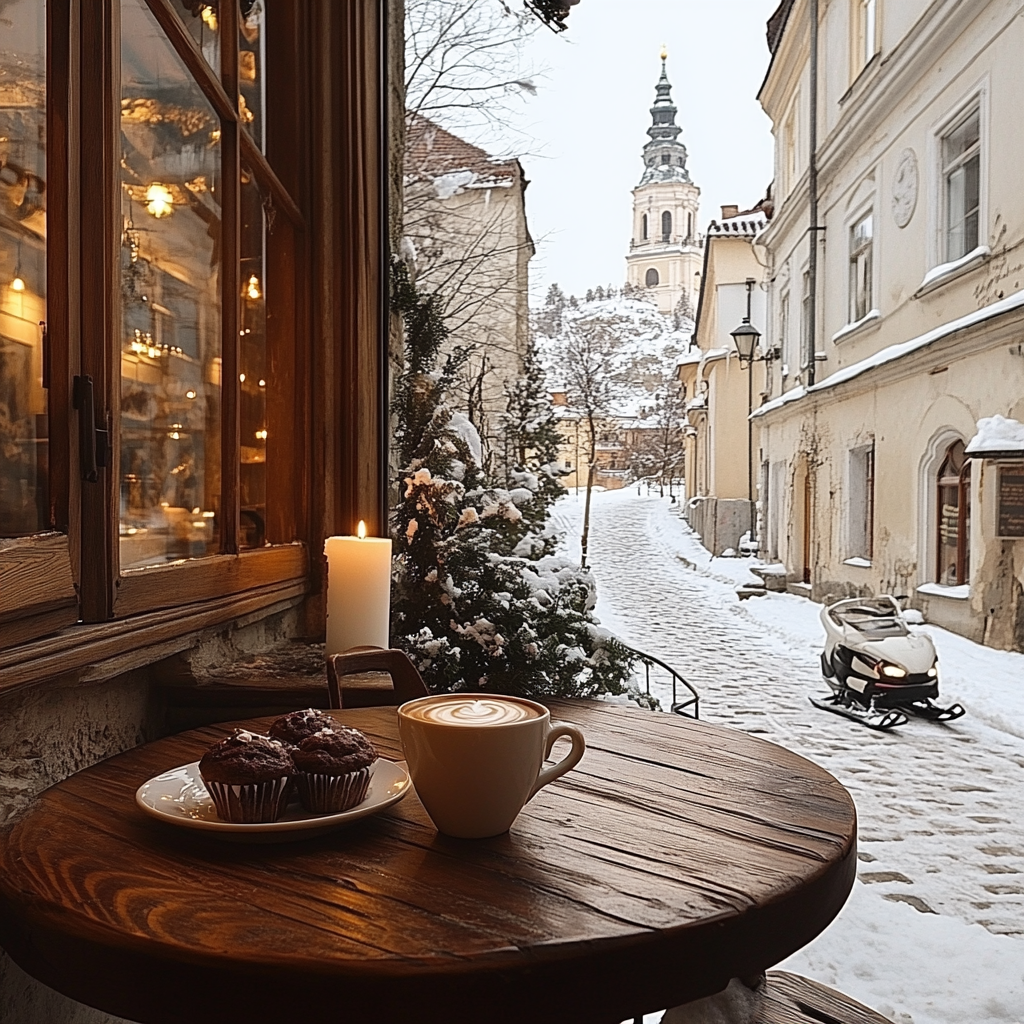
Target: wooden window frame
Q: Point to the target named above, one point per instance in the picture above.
(327, 164)
(107, 590)
(963, 486)
(39, 592)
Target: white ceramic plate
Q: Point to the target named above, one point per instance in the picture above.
(179, 797)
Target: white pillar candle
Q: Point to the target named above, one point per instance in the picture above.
(358, 592)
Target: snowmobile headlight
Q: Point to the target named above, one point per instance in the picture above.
(892, 671)
(933, 672)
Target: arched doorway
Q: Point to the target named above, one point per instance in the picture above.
(953, 517)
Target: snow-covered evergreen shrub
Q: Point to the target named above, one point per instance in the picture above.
(478, 600)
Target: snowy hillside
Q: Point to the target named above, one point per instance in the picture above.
(644, 344)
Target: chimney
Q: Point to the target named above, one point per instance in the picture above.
(730, 211)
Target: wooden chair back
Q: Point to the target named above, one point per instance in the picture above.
(406, 682)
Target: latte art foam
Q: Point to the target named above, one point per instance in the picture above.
(473, 711)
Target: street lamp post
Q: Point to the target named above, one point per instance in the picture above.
(746, 337)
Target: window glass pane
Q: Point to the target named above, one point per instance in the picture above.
(203, 23)
(23, 422)
(251, 65)
(961, 138)
(170, 302)
(252, 366)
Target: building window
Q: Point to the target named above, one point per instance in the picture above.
(807, 342)
(178, 385)
(789, 146)
(860, 269)
(652, 278)
(861, 508)
(784, 339)
(961, 184)
(865, 34)
(643, 227)
(953, 505)
(689, 226)
(666, 226)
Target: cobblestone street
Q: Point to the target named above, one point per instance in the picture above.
(939, 806)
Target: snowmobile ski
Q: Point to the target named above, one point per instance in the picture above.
(928, 709)
(882, 720)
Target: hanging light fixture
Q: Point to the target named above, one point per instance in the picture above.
(253, 288)
(18, 282)
(159, 201)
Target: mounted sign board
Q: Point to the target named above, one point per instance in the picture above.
(1010, 507)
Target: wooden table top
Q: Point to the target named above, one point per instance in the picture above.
(677, 855)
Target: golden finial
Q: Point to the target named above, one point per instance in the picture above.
(664, 52)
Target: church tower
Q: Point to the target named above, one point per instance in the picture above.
(666, 253)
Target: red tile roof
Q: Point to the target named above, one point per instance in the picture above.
(431, 151)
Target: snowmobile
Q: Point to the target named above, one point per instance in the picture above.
(879, 672)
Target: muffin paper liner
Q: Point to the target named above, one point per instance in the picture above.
(251, 804)
(331, 794)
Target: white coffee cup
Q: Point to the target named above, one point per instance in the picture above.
(475, 759)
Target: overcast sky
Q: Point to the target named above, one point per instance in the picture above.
(591, 114)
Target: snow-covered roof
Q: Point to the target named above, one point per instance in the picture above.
(894, 352)
(744, 225)
(432, 153)
(997, 435)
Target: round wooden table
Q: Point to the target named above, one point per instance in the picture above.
(676, 856)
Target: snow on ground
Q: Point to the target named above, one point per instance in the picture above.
(934, 930)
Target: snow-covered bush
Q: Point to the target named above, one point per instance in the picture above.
(478, 600)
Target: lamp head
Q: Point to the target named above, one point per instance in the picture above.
(746, 337)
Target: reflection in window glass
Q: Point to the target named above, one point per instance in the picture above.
(170, 301)
(252, 367)
(23, 421)
(202, 21)
(251, 65)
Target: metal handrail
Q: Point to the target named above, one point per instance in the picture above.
(678, 707)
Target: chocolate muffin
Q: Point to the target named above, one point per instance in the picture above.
(333, 769)
(295, 727)
(248, 776)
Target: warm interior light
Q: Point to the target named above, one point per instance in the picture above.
(241, 377)
(159, 201)
(263, 383)
(253, 288)
(18, 284)
(210, 18)
(190, 394)
(261, 435)
(361, 530)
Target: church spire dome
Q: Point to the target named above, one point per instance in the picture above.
(664, 156)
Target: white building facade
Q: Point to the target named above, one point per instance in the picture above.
(665, 252)
(866, 474)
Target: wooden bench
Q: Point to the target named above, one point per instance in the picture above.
(777, 998)
(793, 999)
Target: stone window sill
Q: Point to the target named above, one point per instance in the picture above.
(960, 593)
(869, 319)
(946, 272)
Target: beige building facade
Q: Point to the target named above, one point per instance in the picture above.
(465, 216)
(719, 389)
(665, 250)
(866, 478)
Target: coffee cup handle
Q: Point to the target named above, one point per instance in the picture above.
(579, 745)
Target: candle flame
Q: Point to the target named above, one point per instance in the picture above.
(361, 530)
